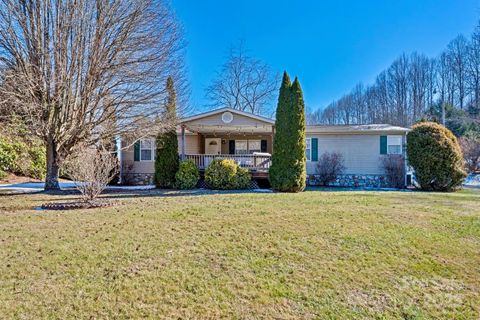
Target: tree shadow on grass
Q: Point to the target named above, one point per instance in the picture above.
(73, 194)
(174, 193)
(352, 189)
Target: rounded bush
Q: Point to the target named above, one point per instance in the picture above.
(227, 175)
(243, 178)
(187, 175)
(433, 151)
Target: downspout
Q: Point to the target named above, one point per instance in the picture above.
(273, 137)
(119, 158)
(183, 142)
(405, 159)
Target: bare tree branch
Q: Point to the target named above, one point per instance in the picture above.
(69, 66)
(244, 83)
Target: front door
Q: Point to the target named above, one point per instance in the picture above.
(213, 145)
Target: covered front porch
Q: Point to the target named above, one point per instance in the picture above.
(228, 134)
(254, 162)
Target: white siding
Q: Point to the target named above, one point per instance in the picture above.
(361, 152)
(131, 166)
(191, 146)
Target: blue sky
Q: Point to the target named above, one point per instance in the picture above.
(329, 45)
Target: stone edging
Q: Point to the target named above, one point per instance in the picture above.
(76, 205)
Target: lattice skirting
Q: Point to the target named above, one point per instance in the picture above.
(203, 184)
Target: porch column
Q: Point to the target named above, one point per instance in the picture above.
(273, 136)
(183, 143)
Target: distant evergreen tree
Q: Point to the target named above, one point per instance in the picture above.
(166, 161)
(288, 170)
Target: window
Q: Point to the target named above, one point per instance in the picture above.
(247, 146)
(146, 150)
(308, 150)
(394, 144)
(241, 147)
(254, 146)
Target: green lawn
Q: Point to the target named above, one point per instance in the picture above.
(244, 256)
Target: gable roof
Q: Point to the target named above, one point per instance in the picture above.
(225, 109)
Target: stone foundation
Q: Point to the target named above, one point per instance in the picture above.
(344, 180)
(137, 178)
(353, 181)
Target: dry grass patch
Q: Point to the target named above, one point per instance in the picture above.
(243, 256)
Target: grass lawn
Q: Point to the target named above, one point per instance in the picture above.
(244, 256)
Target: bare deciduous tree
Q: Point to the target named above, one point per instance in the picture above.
(473, 69)
(398, 88)
(471, 152)
(91, 170)
(244, 83)
(418, 86)
(70, 66)
(457, 50)
(413, 87)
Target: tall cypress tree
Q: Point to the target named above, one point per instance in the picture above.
(298, 138)
(288, 170)
(166, 161)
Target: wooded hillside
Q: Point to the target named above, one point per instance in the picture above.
(417, 87)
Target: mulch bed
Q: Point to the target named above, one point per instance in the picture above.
(72, 205)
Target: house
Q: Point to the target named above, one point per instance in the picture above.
(248, 139)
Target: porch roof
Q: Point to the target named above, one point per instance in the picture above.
(229, 121)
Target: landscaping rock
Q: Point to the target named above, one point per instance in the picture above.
(77, 205)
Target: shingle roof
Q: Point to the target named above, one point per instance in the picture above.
(363, 128)
(359, 128)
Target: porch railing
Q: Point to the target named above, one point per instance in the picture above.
(252, 162)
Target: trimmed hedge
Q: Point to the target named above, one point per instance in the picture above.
(187, 175)
(227, 175)
(433, 151)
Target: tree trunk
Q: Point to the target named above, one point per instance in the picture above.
(51, 181)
